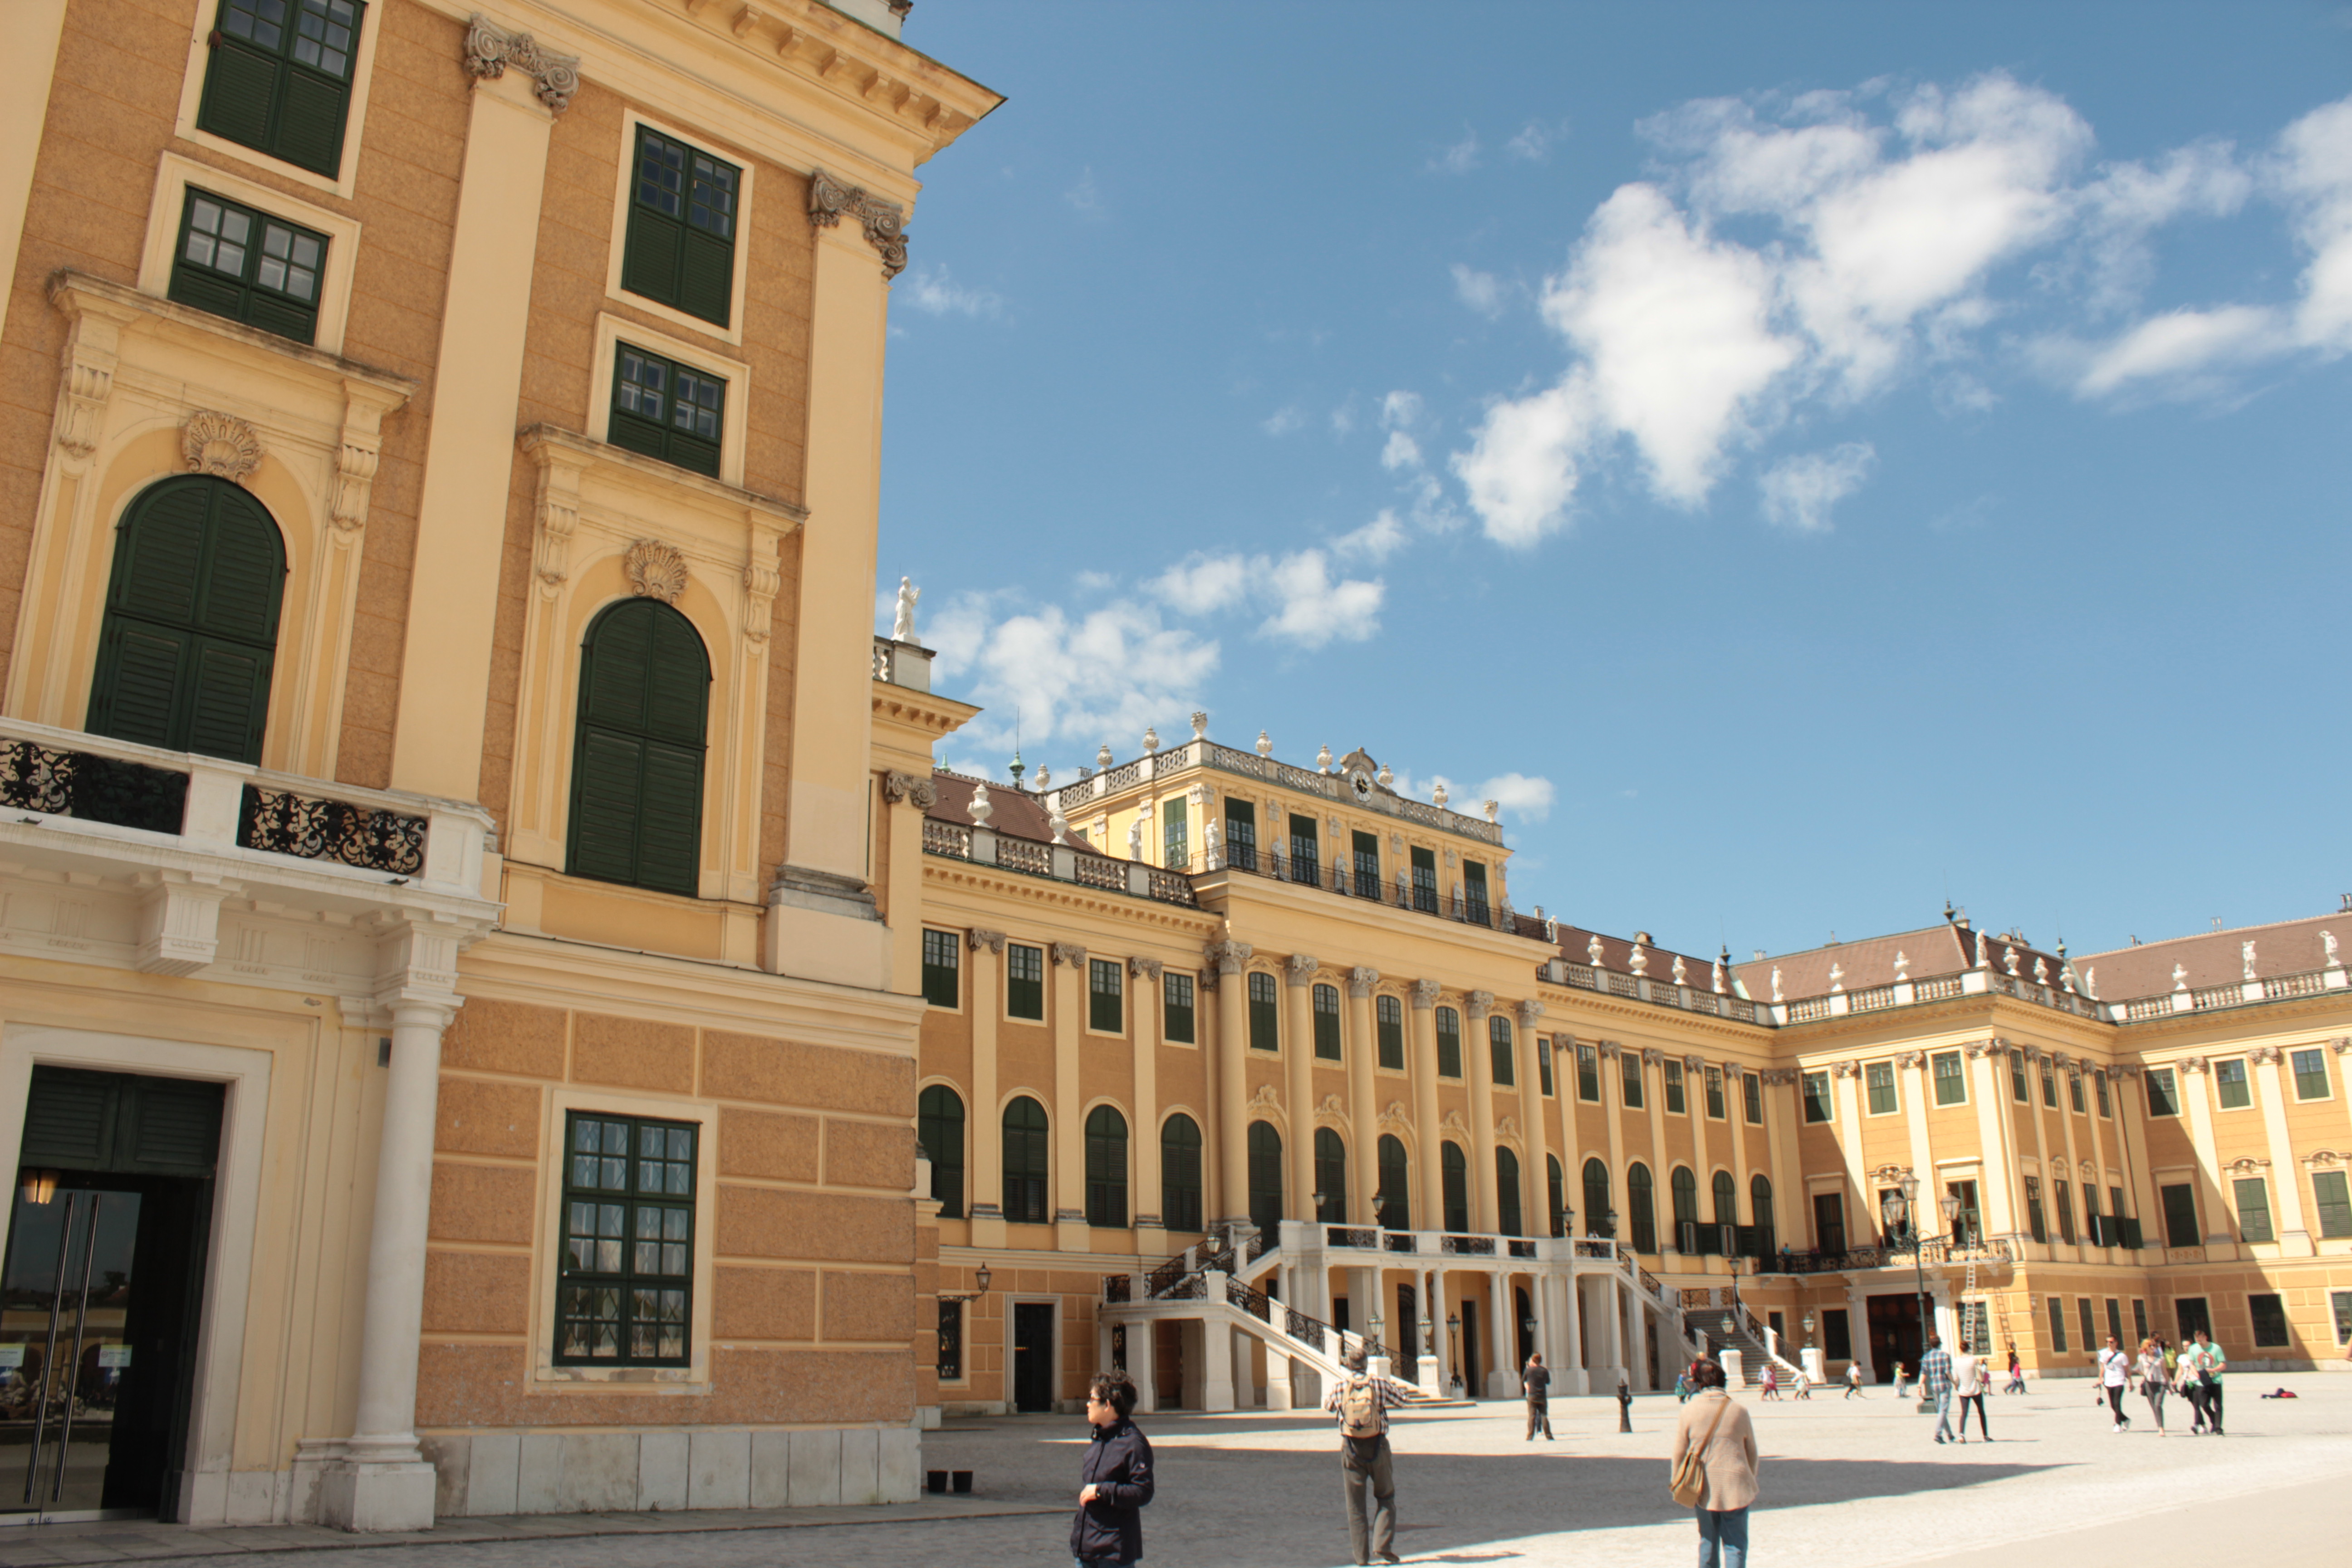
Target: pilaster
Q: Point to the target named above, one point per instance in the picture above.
(2293, 1231)
(987, 1119)
(1227, 1133)
(1363, 1114)
(1066, 963)
(1299, 1060)
(1421, 1060)
(1480, 1070)
(1144, 1022)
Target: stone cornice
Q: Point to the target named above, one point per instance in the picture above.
(1566, 1003)
(922, 710)
(1192, 927)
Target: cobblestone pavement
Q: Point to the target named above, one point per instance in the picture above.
(1846, 1485)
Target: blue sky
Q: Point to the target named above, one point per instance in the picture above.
(1807, 461)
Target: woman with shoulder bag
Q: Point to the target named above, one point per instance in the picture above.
(2151, 1381)
(1714, 1471)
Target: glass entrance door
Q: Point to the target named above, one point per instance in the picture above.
(65, 1304)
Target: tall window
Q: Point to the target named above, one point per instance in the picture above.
(2339, 1303)
(2180, 1215)
(2063, 1202)
(280, 79)
(2034, 1222)
(1829, 1222)
(1879, 1076)
(2310, 1074)
(636, 759)
(1368, 865)
(243, 263)
(1498, 1046)
(1677, 1102)
(2049, 1086)
(191, 629)
(1106, 1167)
(1727, 1200)
(1473, 890)
(1176, 1008)
(1026, 1162)
(1508, 1214)
(2330, 1197)
(951, 1341)
(1330, 1177)
(1388, 1018)
(1424, 880)
(1951, 1087)
(1588, 1073)
(2268, 1312)
(1596, 1199)
(2229, 1085)
(1241, 834)
(1715, 1094)
(1760, 1204)
(1265, 1013)
(623, 1296)
(942, 968)
(1629, 1076)
(2106, 1105)
(1306, 853)
(666, 409)
(1175, 837)
(1265, 1177)
(1642, 1211)
(1817, 1097)
(1025, 982)
(2254, 1209)
(2163, 1097)
(681, 246)
(1751, 1099)
(1543, 1066)
(1327, 1022)
(1396, 1185)
(1179, 1173)
(1454, 1174)
(2074, 1091)
(2090, 1325)
(1682, 1187)
(2058, 1323)
(2017, 1087)
(1556, 1192)
(1449, 1042)
(939, 1122)
(1106, 997)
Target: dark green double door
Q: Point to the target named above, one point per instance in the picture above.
(99, 1292)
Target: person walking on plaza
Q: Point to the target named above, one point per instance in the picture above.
(1536, 1378)
(2210, 1364)
(1804, 1383)
(2186, 1384)
(1971, 1376)
(2016, 1373)
(1362, 1402)
(2114, 1376)
(2150, 1370)
(1935, 1385)
(1771, 1382)
(1714, 1427)
(1898, 1380)
(1853, 1378)
(1682, 1386)
(1114, 1476)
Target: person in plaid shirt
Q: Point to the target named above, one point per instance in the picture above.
(1362, 1402)
(1936, 1383)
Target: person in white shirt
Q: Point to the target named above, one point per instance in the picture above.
(1970, 1377)
(2115, 1375)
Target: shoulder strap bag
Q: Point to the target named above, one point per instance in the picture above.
(1689, 1483)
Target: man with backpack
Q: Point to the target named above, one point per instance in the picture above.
(1536, 1378)
(1362, 1402)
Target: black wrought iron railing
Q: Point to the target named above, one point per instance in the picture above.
(285, 823)
(34, 777)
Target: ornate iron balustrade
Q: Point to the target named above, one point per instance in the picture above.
(1522, 1248)
(1478, 1246)
(284, 823)
(1361, 1237)
(1259, 1245)
(34, 777)
(1118, 1288)
(1400, 1241)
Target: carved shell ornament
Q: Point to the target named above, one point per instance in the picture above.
(221, 445)
(656, 571)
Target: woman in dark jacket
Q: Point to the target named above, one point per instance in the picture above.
(1117, 1477)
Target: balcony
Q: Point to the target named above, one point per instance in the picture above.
(1060, 862)
(1368, 885)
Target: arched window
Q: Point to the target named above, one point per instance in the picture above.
(1597, 1206)
(939, 1122)
(191, 629)
(1025, 1162)
(636, 756)
(1396, 1185)
(1506, 1192)
(1264, 1176)
(1106, 1167)
(1685, 1187)
(1726, 1199)
(1330, 1176)
(1760, 1204)
(1498, 1045)
(1640, 1211)
(1179, 1173)
(1454, 1171)
(1556, 1188)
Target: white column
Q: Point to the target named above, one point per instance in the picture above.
(1503, 1361)
(1216, 1351)
(381, 1482)
(1570, 1368)
(1142, 1364)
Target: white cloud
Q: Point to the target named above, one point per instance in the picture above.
(2181, 343)
(1533, 143)
(1285, 420)
(1400, 410)
(1482, 291)
(1521, 468)
(2315, 171)
(2129, 202)
(1076, 677)
(1517, 795)
(1205, 584)
(1313, 609)
(1458, 159)
(1400, 451)
(1375, 542)
(932, 291)
(1799, 491)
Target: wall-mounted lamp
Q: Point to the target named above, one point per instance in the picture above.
(980, 1277)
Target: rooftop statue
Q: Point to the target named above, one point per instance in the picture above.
(1776, 983)
(2246, 956)
(903, 629)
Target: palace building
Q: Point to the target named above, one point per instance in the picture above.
(499, 1011)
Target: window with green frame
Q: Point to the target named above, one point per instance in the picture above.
(1714, 1094)
(1951, 1086)
(667, 410)
(1588, 1073)
(237, 262)
(1543, 1067)
(2331, 1198)
(2163, 1096)
(1751, 1099)
(280, 79)
(1817, 1097)
(624, 1292)
(2017, 1084)
(190, 635)
(2254, 1209)
(1265, 1013)
(2106, 1105)
(2229, 1085)
(1388, 1024)
(1025, 982)
(1327, 1022)
(679, 249)
(2179, 1215)
(1106, 997)
(1678, 1099)
(1176, 852)
(2310, 1074)
(2267, 1314)
(1879, 1079)
(1629, 1077)
(1176, 1008)
(2074, 1091)
(1106, 1168)
(1501, 1049)
(942, 968)
(939, 1125)
(2058, 1322)
(637, 749)
(1449, 1042)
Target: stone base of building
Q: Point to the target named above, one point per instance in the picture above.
(376, 1498)
(494, 1473)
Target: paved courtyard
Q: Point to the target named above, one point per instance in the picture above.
(1846, 1485)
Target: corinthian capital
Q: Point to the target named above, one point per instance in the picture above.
(1144, 968)
(1480, 1002)
(1424, 994)
(1299, 969)
(991, 940)
(1228, 957)
(911, 789)
(1529, 1011)
(1361, 980)
(1071, 953)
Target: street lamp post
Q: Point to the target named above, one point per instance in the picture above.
(1454, 1344)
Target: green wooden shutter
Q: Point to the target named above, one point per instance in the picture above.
(636, 792)
(244, 565)
(669, 818)
(604, 782)
(230, 701)
(706, 276)
(310, 125)
(241, 86)
(650, 253)
(137, 692)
